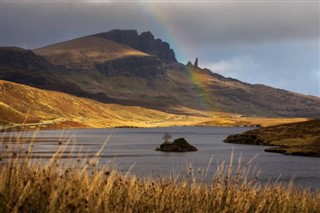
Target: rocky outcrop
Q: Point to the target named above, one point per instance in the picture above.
(149, 44)
(146, 67)
(178, 145)
(196, 62)
(144, 42)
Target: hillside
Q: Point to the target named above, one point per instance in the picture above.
(24, 104)
(32, 107)
(301, 138)
(112, 72)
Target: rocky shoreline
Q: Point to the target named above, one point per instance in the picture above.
(301, 138)
(283, 150)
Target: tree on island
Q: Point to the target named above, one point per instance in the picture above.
(166, 137)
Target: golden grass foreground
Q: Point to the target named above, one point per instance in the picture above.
(28, 186)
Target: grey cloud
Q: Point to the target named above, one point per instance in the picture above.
(265, 39)
(36, 24)
(245, 22)
(218, 23)
(288, 65)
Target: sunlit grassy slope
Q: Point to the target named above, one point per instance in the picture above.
(23, 104)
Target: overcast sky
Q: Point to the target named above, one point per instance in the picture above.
(276, 43)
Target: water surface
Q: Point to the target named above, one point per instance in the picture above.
(133, 149)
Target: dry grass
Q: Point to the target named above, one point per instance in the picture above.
(26, 186)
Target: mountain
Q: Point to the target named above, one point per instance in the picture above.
(123, 67)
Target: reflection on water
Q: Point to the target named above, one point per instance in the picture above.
(134, 149)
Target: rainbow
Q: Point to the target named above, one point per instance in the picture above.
(159, 19)
(205, 95)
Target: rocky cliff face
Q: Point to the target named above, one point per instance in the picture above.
(157, 47)
(146, 67)
(144, 42)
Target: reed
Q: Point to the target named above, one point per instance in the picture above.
(81, 186)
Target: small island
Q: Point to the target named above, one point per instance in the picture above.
(178, 145)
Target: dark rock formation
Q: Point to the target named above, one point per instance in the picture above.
(178, 145)
(144, 42)
(146, 67)
(157, 47)
(196, 62)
